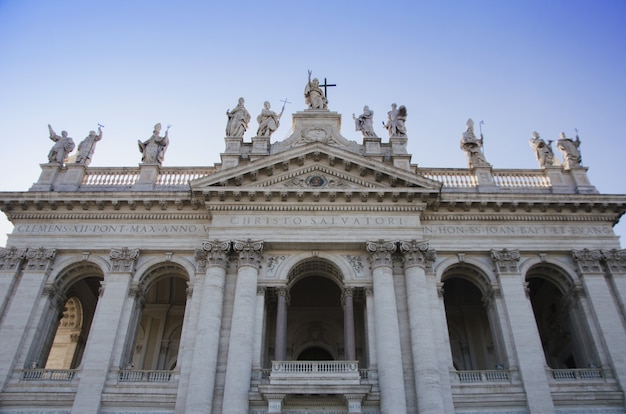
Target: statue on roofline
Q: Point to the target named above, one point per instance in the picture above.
(313, 95)
(473, 147)
(543, 150)
(153, 149)
(238, 120)
(63, 145)
(268, 120)
(570, 151)
(365, 122)
(87, 147)
(395, 121)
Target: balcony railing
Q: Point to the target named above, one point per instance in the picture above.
(144, 376)
(580, 374)
(495, 375)
(316, 372)
(41, 374)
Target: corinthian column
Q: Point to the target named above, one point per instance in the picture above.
(239, 363)
(348, 324)
(419, 288)
(391, 377)
(280, 342)
(615, 261)
(201, 383)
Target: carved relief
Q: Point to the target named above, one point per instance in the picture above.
(217, 252)
(273, 262)
(356, 263)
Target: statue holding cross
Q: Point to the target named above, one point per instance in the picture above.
(314, 97)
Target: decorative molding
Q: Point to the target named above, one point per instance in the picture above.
(124, 259)
(273, 262)
(356, 262)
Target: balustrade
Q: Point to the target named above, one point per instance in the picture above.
(40, 374)
(144, 376)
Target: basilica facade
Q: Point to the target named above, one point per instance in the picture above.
(313, 275)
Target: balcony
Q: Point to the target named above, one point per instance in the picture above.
(41, 374)
(316, 377)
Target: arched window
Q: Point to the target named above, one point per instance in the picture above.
(562, 326)
(64, 327)
(469, 329)
(158, 320)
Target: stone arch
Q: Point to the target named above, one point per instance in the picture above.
(469, 272)
(314, 315)
(314, 266)
(161, 294)
(341, 263)
(561, 322)
(473, 329)
(484, 271)
(55, 346)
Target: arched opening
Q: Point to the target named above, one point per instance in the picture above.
(64, 327)
(315, 318)
(322, 320)
(471, 322)
(159, 321)
(560, 322)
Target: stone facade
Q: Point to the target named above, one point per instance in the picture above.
(312, 275)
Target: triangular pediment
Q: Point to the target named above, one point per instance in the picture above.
(313, 168)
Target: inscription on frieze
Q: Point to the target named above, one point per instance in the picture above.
(517, 230)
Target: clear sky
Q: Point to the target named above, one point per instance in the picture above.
(518, 65)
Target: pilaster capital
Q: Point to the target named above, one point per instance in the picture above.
(137, 292)
(506, 260)
(54, 295)
(381, 253)
(249, 252)
(39, 259)
(124, 259)
(347, 293)
(283, 292)
(11, 258)
(615, 260)
(418, 253)
(588, 261)
(490, 296)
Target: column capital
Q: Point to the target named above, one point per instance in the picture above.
(381, 252)
(39, 259)
(212, 253)
(506, 260)
(55, 296)
(11, 258)
(249, 252)
(588, 261)
(346, 292)
(615, 260)
(418, 253)
(124, 259)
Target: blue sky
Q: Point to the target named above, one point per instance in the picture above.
(519, 66)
